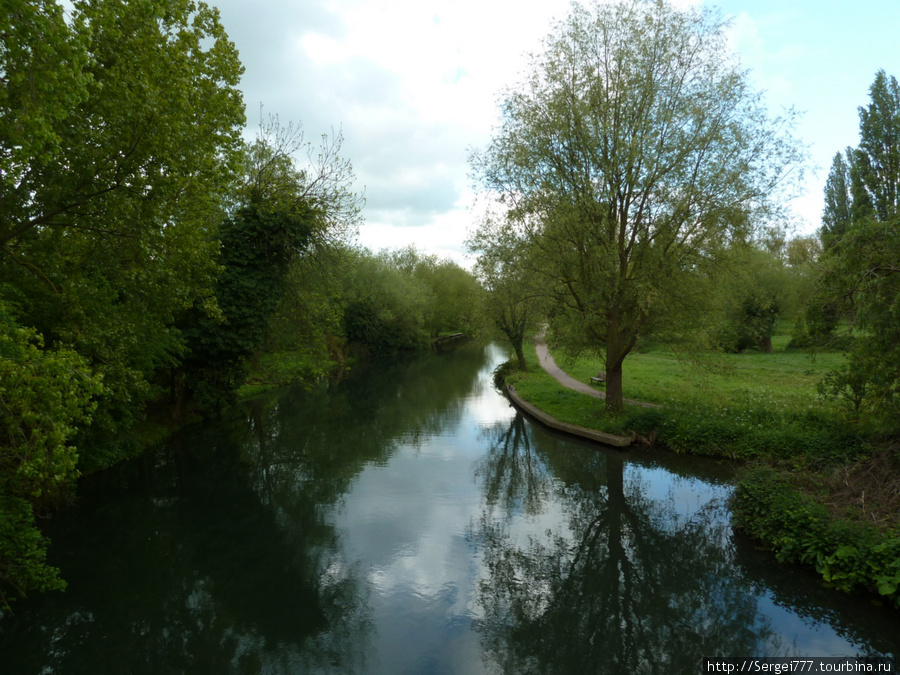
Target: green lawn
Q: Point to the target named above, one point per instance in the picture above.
(784, 379)
(748, 405)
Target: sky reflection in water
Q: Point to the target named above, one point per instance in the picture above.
(410, 521)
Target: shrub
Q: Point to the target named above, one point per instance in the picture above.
(849, 556)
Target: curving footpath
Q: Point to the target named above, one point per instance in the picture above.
(548, 364)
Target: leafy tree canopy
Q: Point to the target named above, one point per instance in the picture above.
(633, 150)
(108, 213)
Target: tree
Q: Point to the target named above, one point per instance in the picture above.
(108, 213)
(119, 130)
(763, 284)
(42, 75)
(837, 213)
(283, 211)
(875, 175)
(257, 249)
(386, 307)
(511, 302)
(453, 289)
(860, 276)
(44, 396)
(803, 252)
(455, 293)
(631, 152)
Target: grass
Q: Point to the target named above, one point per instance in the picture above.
(750, 405)
(786, 380)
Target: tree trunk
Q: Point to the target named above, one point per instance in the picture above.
(614, 358)
(177, 393)
(765, 343)
(614, 398)
(520, 355)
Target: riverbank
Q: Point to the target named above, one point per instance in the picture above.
(803, 490)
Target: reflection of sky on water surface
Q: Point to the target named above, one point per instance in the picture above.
(369, 527)
(409, 522)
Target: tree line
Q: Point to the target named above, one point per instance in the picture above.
(149, 255)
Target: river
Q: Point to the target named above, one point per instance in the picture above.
(409, 520)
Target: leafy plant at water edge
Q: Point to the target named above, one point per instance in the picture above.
(849, 556)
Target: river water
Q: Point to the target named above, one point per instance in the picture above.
(410, 521)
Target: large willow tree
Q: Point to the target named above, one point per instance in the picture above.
(634, 148)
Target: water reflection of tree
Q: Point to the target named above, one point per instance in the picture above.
(514, 477)
(622, 582)
(184, 569)
(216, 555)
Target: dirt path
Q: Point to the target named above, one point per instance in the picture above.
(561, 376)
(548, 364)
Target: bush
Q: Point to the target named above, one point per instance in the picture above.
(849, 556)
(23, 553)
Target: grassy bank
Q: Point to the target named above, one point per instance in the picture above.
(764, 407)
(808, 471)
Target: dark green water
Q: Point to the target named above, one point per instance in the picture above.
(409, 521)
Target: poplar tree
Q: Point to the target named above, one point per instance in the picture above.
(860, 272)
(837, 214)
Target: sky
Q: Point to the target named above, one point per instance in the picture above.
(413, 87)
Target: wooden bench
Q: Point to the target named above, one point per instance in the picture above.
(599, 378)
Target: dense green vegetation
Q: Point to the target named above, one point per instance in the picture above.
(150, 259)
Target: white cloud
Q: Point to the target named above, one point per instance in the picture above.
(411, 84)
(414, 84)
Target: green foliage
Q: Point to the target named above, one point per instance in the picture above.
(108, 212)
(42, 76)
(629, 155)
(512, 301)
(396, 300)
(860, 276)
(23, 554)
(837, 214)
(44, 396)
(848, 555)
(756, 290)
(120, 128)
(286, 215)
(875, 171)
(386, 306)
(257, 248)
(307, 328)
(455, 293)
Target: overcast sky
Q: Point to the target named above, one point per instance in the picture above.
(413, 85)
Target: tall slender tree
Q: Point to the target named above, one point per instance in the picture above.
(876, 162)
(837, 214)
(860, 272)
